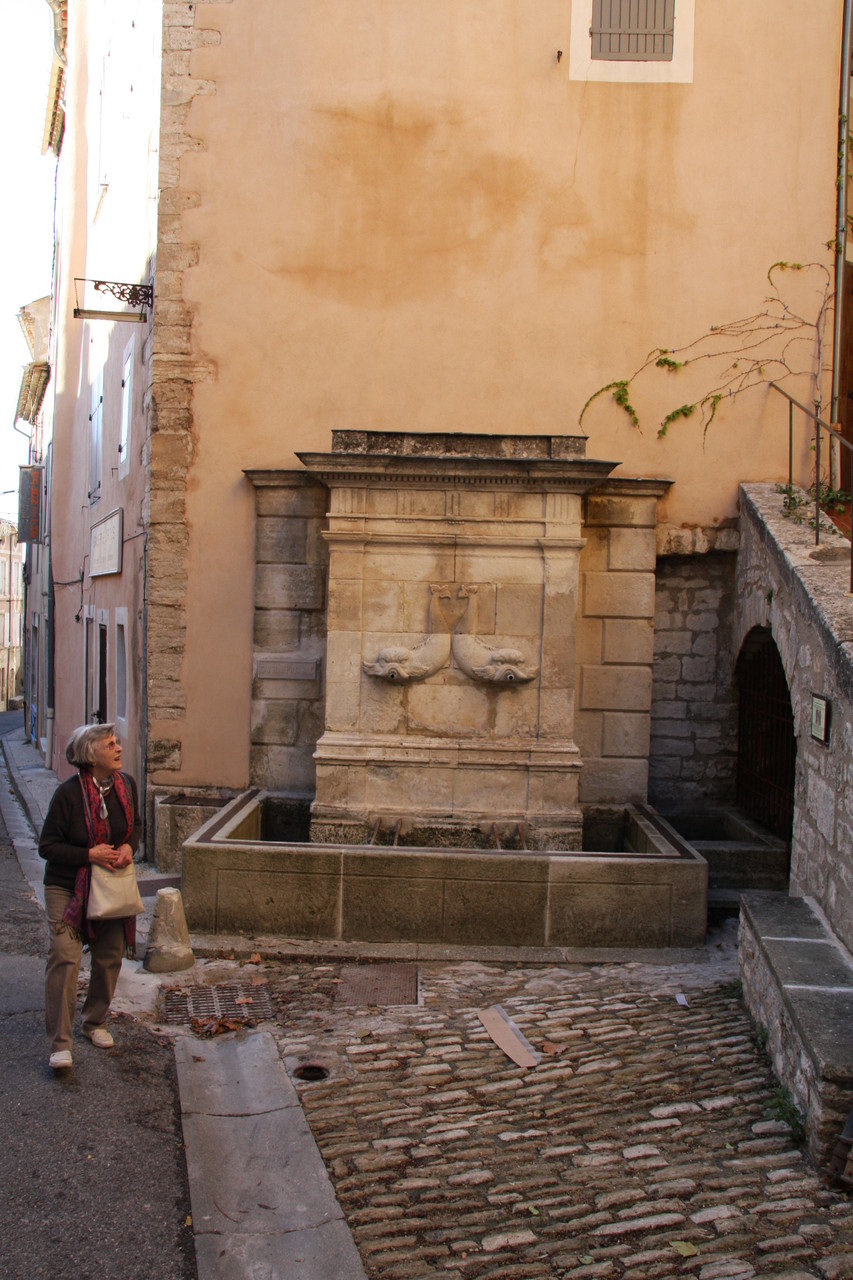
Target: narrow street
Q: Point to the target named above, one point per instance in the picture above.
(91, 1164)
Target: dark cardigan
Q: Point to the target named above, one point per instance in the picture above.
(64, 841)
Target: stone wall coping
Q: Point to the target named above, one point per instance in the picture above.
(634, 487)
(607, 486)
(577, 475)
(819, 587)
(263, 478)
(813, 972)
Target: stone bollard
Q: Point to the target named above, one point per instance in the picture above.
(169, 940)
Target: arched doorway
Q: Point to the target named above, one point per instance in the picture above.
(767, 745)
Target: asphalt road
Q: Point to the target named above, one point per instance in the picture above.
(92, 1172)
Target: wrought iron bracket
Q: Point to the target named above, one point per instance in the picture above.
(138, 297)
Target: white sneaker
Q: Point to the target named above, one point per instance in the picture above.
(100, 1038)
(61, 1060)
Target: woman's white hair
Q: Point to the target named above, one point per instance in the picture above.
(80, 749)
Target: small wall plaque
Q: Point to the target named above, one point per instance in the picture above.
(105, 545)
(821, 708)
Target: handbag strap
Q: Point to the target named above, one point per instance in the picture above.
(90, 826)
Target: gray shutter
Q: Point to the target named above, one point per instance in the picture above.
(632, 30)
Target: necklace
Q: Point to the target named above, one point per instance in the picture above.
(104, 789)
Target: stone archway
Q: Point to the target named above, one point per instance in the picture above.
(767, 745)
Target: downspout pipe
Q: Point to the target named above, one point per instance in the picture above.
(841, 207)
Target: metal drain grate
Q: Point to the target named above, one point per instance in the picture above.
(378, 984)
(235, 1001)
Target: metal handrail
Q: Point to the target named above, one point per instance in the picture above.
(818, 425)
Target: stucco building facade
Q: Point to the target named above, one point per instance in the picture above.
(11, 616)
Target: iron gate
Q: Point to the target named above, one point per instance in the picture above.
(767, 746)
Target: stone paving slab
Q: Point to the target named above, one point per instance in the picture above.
(258, 1173)
(261, 1197)
(826, 1020)
(232, 1077)
(809, 963)
(326, 1252)
(777, 916)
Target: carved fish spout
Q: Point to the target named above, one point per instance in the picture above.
(452, 623)
(481, 661)
(395, 662)
(499, 666)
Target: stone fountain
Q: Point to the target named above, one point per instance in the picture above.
(425, 638)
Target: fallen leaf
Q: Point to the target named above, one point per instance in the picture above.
(188, 1222)
(255, 958)
(550, 1048)
(244, 1000)
(215, 1026)
(684, 1247)
(531, 1208)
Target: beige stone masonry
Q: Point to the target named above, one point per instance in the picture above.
(177, 366)
(399, 583)
(615, 645)
(452, 608)
(289, 655)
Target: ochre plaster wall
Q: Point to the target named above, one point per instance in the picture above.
(407, 215)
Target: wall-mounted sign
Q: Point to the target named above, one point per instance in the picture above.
(821, 708)
(105, 545)
(30, 484)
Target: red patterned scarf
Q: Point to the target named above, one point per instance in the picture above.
(99, 833)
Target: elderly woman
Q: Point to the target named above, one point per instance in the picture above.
(93, 819)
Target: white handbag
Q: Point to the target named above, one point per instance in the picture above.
(113, 895)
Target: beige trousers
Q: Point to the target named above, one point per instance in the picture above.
(63, 966)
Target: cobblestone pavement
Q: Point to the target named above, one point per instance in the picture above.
(648, 1143)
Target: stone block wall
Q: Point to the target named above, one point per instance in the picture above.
(802, 595)
(798, 986)
(289, 640)
(615, 641)
(177, 367)
(693, 751)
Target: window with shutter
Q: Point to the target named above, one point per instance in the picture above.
(632, 30)
(632, 41)
(126, 412)
(96, 428)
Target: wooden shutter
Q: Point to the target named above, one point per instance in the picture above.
(632, 30)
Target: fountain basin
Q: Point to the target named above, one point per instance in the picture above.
(741, 855)
(650, 893)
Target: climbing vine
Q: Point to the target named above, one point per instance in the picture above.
(768, 346)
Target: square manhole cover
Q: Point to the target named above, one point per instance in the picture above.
(378, 984)
(233, 1001)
